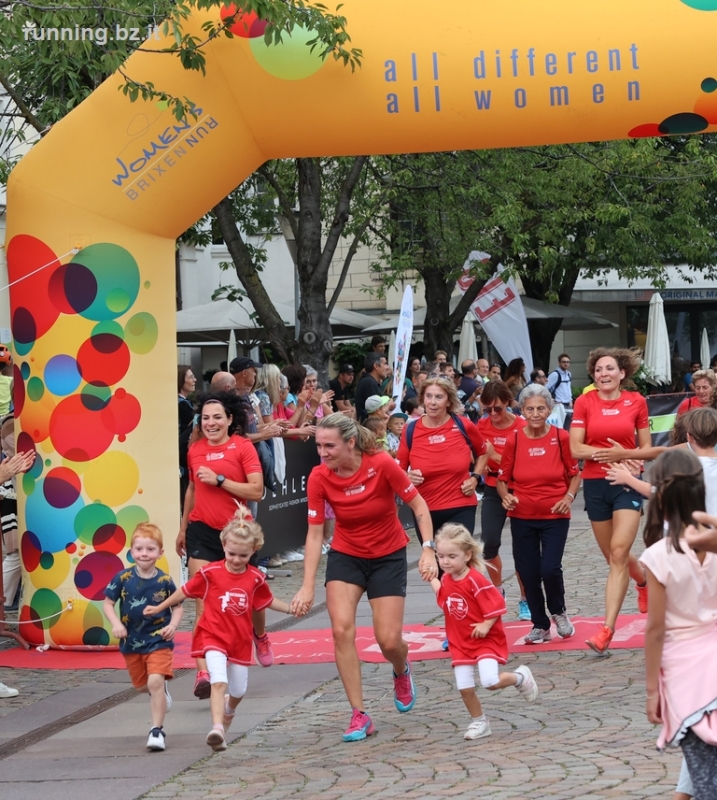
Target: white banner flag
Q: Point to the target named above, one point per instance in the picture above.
(404, 332)
(500, 312)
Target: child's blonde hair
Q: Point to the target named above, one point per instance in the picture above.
(148, 530)
(242, 526)
(461, 536)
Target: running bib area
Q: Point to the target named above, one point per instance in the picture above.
(95, 207)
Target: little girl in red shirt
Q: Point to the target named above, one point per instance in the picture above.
(231, 590)
(473, 607)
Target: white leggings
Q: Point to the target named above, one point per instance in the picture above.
(223, 671)
(487, 670)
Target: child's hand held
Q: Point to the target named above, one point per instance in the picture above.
(168, 632)
(150, 610)
(119, 631)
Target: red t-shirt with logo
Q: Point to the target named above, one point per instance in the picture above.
(539, 472)
(465, 602)
(235, 459)
(444, 458)
(497, 437)
(229, 598)
(367, 524)
(609, 419)
(688, 404)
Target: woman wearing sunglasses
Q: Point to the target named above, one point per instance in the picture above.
(496, 426)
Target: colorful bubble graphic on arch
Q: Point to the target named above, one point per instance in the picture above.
(701, 5)
(698, 119)
(291, 60)
(77, 329)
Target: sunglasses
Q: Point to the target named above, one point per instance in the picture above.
(493, 409)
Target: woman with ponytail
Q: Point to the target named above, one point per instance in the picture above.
(368, 554)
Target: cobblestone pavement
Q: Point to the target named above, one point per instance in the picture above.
(586, 736)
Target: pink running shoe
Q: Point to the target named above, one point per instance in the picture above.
(404, 692)
(202, 687)
(264, 653)
(360, 727)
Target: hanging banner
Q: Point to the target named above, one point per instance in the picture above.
(500, 312)
(404, 332)
(662, 409)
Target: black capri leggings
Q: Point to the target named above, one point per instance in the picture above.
(492, 519)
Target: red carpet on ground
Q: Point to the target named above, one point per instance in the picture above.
(316, 646)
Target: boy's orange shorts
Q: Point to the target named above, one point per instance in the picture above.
(140, 665)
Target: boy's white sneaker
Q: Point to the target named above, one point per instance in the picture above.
(478, 729)
(155, 742)
(6, 691)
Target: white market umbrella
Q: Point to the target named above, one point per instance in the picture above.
(391, 348)
(467, 350)
(232, 349)
(657, 347)
(705, 357)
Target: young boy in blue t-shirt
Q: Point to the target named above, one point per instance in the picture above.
(146, 643)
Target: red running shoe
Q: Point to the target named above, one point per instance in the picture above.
(601, 641)
(641, 598)
(202, 687)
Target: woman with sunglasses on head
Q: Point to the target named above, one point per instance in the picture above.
(607, 417)
(495, 427)
(224, 473)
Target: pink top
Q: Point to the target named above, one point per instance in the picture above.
(688, 670)
(690, 589)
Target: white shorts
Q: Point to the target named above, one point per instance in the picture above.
(220, 670)
(488, 670)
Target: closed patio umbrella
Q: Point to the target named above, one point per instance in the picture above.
(705, 349)
(657, 346)
(467, 350)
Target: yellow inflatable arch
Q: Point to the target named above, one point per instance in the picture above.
(95, 208)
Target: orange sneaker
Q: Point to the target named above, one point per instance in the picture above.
(641, 598)
(601, 641)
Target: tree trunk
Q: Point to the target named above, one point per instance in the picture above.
(271, 320)
(542, 331)
(437, 334)
(542, 334)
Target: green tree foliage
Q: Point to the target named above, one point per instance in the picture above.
(548, 214)
(54, 54)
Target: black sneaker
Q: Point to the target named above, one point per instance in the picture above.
(156, 739)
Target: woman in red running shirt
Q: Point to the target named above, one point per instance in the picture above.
(544, 477)
(610, 415)
(368, 554)
(496, 427)
(704, 383)
(439, 461)
(224, 471)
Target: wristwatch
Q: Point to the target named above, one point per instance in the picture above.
(220, 480)
(430, 544)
